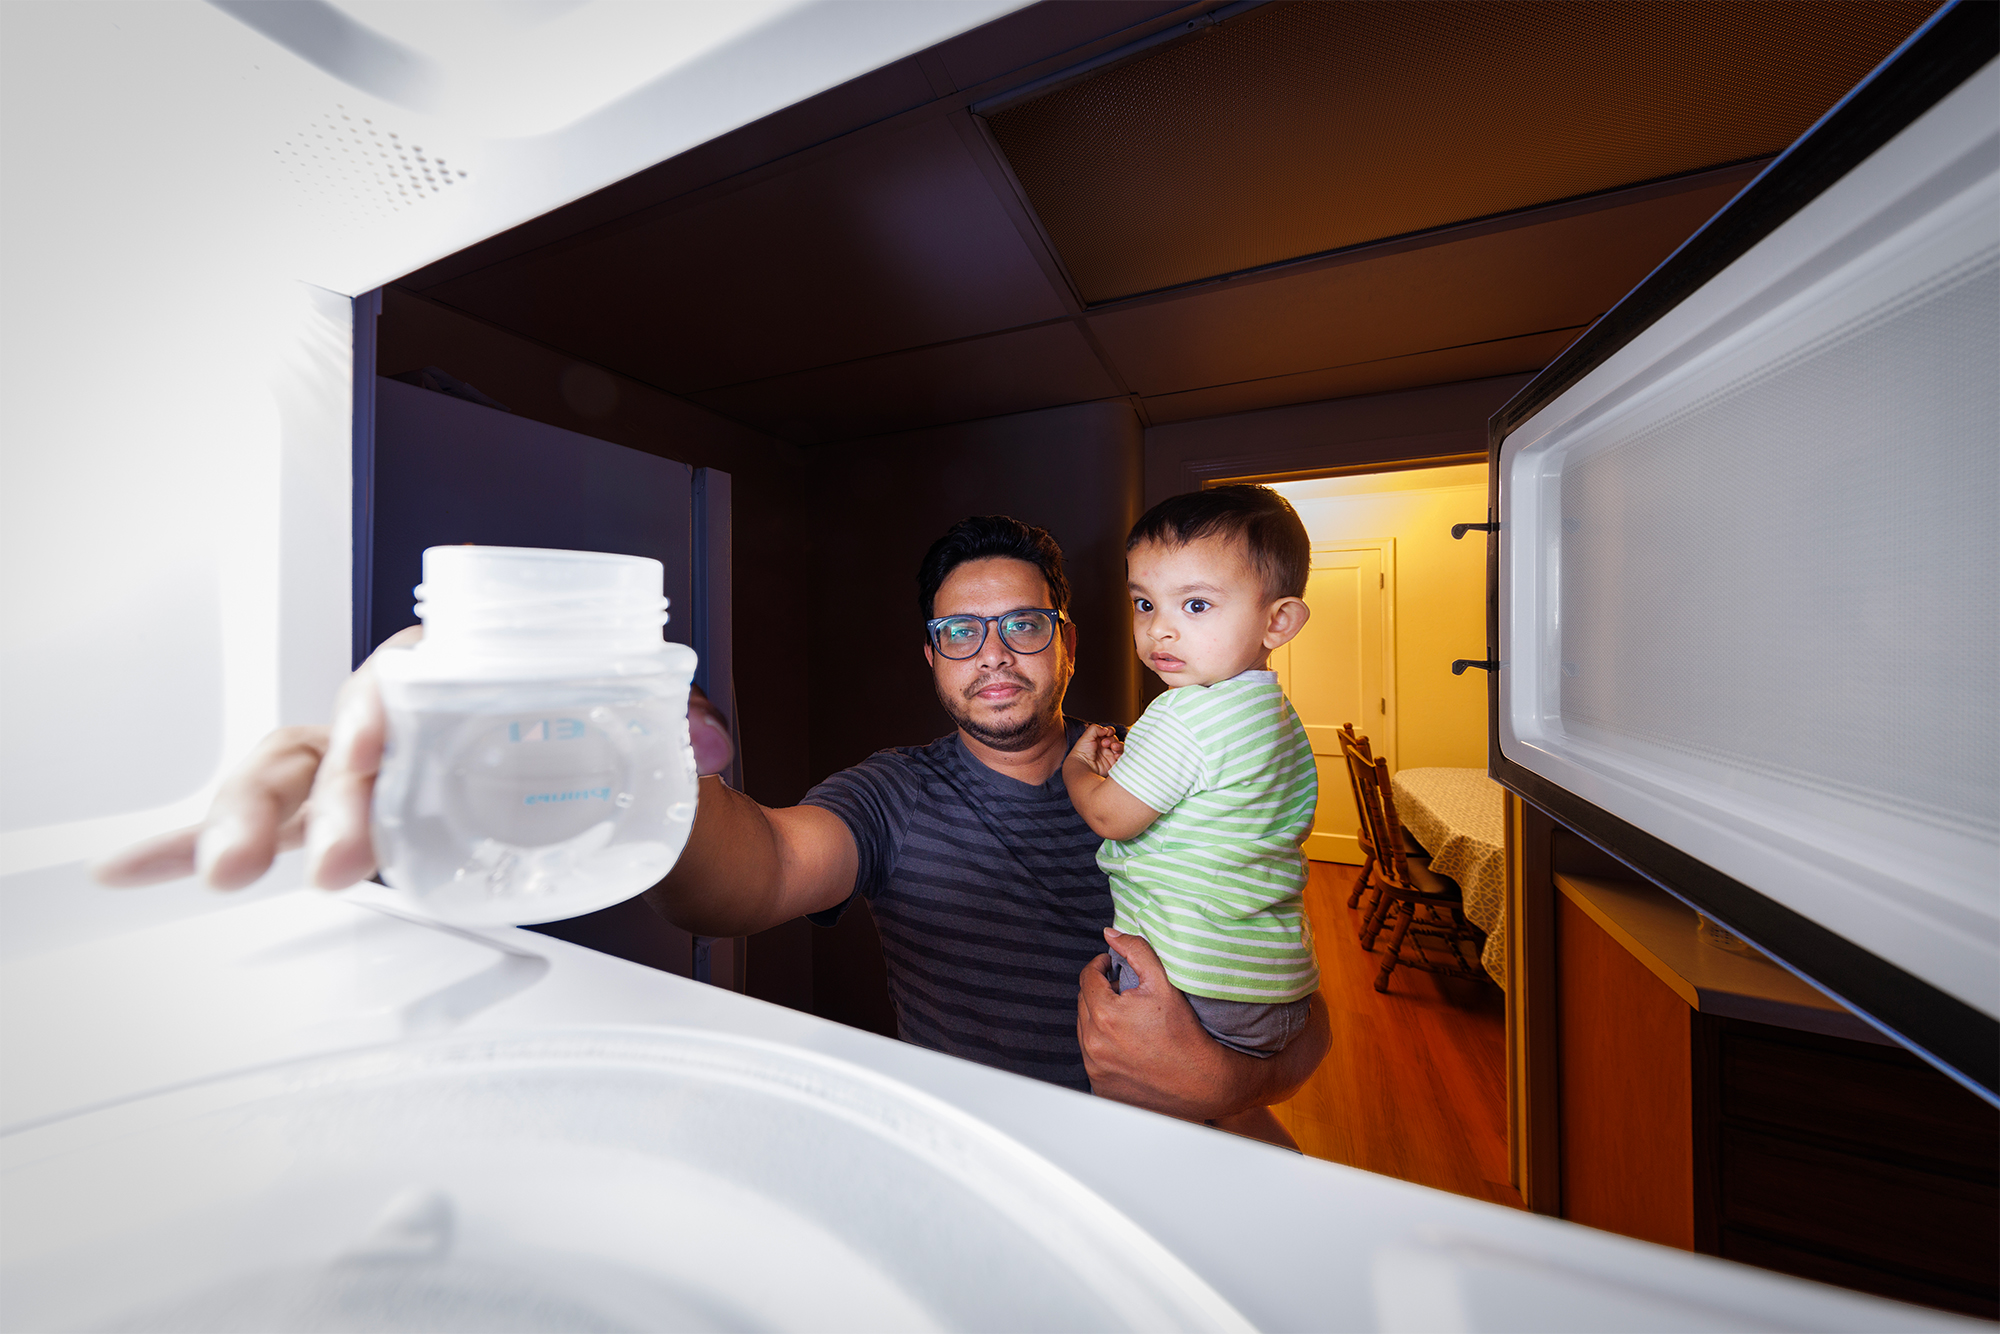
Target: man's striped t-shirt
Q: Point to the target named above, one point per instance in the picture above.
(988, 899)
(1214, 883)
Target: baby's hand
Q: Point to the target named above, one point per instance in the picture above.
(1098, 748)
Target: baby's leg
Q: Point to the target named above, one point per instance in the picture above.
(1255, 1030)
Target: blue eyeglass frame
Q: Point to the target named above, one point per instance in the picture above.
(986, 624)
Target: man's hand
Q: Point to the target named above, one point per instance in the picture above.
(1097, 749)
(708, 733)
(1144, 1046)
(313, 785)
(259, 813)
(308, 785)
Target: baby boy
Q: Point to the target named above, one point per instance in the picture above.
(1208, 799)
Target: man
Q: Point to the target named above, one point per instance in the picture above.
(983, 877)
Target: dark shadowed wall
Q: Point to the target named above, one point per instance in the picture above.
(877, 505)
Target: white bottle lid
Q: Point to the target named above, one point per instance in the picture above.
(534, 611)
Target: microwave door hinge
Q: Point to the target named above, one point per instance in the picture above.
(1458, 665)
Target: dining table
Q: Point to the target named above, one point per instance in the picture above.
(1459, 815)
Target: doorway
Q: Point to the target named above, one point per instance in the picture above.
(1380, 657)
(1416, 1084)
(1340, 670)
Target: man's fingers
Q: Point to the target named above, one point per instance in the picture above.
(1093, 982)
(708, 733)
(167, 857)
(338, 850)
(292, 833)
(1093, 988)
(709, 736)
(240, 837)
(262, 806)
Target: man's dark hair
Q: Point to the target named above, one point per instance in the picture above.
(1269, 527)
(985, 535)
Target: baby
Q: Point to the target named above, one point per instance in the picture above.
(1208, 799)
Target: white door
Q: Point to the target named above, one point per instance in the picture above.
(1337, 671)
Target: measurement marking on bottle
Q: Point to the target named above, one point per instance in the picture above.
(575, 794)
(547, 729)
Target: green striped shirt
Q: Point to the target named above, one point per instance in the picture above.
(1213, 884)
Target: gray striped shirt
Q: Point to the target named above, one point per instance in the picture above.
(988, 898)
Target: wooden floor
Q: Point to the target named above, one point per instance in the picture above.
(1415, 1085)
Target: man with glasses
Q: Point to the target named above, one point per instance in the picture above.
(982, 877)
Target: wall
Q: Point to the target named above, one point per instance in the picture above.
(1313, 439)
(1440, 587)
(878, 504)
(766, 474)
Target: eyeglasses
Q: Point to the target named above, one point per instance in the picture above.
(1024, 630)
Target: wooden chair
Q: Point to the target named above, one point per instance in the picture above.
(1354, 750)
(1421, 909)
(1361, 778)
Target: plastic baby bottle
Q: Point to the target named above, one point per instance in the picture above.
(538, 764)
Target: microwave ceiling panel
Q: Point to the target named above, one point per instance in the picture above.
(1294, 130)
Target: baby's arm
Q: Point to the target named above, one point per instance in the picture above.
(1109, 810)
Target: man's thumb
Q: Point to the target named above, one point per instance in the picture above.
(708, 734)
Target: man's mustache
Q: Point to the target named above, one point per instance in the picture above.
(997, 678)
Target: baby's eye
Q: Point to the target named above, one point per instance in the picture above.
(1142, 605)
(1196, 606)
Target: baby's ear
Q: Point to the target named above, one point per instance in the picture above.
(1283, 622)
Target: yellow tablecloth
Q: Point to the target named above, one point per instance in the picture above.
(1460, 817)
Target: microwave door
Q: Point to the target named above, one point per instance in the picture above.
(1746, 584)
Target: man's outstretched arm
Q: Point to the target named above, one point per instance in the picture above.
(748, 867)
(1144, 1046)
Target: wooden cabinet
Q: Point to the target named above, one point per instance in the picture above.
(1625, 1089)
(1817, 1153)
(1850, 1163)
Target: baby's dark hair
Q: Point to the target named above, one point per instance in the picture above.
(1264, 520)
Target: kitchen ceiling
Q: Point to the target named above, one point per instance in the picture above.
(1469, 186)
(1296, 129)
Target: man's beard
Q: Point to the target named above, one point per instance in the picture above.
(1021, 735)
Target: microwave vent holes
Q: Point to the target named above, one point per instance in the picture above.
(352, 163)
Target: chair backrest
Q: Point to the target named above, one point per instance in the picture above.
(1383, 826)
(1360, 777)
